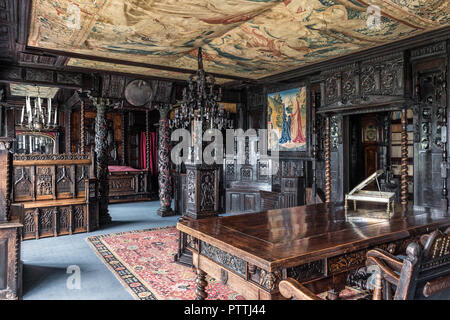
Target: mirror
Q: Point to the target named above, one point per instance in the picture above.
(35, 142)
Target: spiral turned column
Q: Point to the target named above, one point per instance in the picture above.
(200, 288)
(404, 163)
(164, 177)
(327, 161)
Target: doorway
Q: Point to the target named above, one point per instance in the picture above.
(366, 144)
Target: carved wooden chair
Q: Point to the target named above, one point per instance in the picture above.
(424, 271)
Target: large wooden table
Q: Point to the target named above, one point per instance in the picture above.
(317, 245)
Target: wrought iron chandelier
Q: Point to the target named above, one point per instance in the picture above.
(37, 117)
(201, 103)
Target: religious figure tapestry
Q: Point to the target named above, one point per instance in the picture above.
(286, 114)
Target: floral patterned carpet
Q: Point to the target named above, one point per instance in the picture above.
(143, 262)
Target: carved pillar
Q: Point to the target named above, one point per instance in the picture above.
(147, 152)
(82, 137)
(202, 187)
(404, 163)
(327, 161)
(164, 178)
(101, 151)
(6, 178)
(444, 192)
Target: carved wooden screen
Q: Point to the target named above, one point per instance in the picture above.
(50, 177)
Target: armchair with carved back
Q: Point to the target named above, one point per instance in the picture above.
(424, 271)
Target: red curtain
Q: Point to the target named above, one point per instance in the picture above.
(143, 152)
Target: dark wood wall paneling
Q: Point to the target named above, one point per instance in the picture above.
(382, 83)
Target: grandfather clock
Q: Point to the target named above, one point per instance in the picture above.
(10, 216)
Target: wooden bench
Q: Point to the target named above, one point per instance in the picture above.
(58, 193)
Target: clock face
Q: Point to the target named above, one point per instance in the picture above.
(370, 133)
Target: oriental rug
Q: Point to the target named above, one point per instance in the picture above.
(143, 261)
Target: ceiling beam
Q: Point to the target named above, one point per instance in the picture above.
(125, 62)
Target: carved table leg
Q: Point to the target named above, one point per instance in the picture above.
(201, 284)
(337, 285)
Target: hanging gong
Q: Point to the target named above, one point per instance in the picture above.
(138, 93)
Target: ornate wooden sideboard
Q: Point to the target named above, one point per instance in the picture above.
(58, 193)
(127, 184)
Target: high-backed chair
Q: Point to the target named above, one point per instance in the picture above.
(424, 271)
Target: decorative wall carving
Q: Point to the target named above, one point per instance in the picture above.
(45, 157)
(429, 50)
(375, 80)
(207, 190)
(191, 186)
(44, 181)
(335, 132)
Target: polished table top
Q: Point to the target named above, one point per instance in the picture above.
(285, 237)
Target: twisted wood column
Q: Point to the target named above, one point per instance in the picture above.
(200, 289)
(327, 161)
(164, 178)
(101, 151)
(404, 161)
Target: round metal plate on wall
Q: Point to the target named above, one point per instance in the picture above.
(138, 93)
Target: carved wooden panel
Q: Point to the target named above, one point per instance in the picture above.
(82, 173)
(64, 181)
(46, 221)
(55, 221)
(79, 218)
(23, 189)
(64, 220)
(44, 182)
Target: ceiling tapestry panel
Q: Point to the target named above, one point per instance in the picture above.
(244, 38)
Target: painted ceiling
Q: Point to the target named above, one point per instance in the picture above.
(244, 38)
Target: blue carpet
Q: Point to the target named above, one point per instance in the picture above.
(46, 260)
